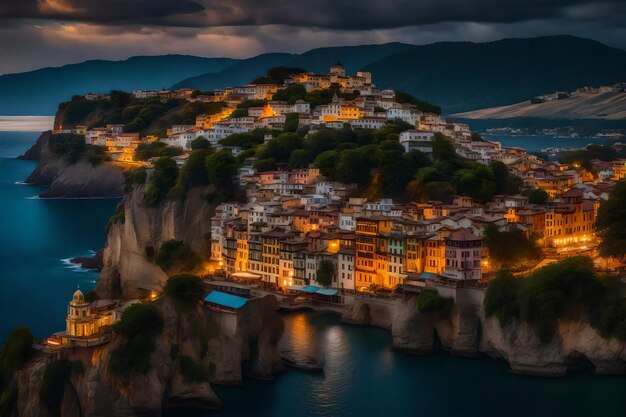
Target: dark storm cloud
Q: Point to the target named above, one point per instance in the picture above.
(36, 33)
(333, 14)
(98, 11)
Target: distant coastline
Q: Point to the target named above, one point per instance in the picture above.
(25, 123)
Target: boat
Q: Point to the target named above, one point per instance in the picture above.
(306, 363)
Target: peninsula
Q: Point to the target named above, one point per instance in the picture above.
(319, 191)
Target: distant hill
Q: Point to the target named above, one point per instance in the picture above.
(459, 76)
(40, 92)
(601, 105)
(320, 59)
(240, 73)
(462, 76)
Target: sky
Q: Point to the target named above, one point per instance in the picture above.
(42, 33)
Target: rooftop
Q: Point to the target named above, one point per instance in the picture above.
(226, 300)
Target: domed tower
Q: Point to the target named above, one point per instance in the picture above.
(78, 320)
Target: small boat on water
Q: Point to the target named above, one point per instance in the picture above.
(307, 363)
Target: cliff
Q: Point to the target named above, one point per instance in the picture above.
(78, 180)
(126, 270)
(576, 345)
(207, 338)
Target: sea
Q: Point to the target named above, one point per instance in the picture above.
(363, 375)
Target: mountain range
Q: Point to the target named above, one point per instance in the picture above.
(459, 76)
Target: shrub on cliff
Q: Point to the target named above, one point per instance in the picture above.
(430, 302)
(72, 148)
(193, 371)
(175, 256)
(566, 289)
(146, 151)
(193, 174)
(510, 248)
(611, 223)
(55, 378)
(14, 354)
(134, 177)
(118, 216)
(186, 289)
(161, 181)
(140, 325)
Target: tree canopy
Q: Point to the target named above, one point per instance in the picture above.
(325, 272)
(565, 289)
(611, 223)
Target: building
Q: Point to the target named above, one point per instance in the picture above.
(83, 321)
(417, 140)
(463, 255)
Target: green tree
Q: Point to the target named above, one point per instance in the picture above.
(325, 272)
(200, 143)
(186, 289)
(537, 196)
(611, 223)
(139, 326)
(291, 122)
(510, 248)
(162, 180)
(175, 256)
(222, 167)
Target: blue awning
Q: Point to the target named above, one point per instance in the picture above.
(226, 300)
(312, 289)
(428, 275)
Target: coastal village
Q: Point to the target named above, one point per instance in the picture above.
(297, 223)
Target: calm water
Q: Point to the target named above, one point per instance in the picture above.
(537, 143)
(35, 237)
(364, 376)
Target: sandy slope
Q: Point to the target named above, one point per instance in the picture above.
(607, 105)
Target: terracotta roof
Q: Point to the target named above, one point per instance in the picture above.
(463, 235)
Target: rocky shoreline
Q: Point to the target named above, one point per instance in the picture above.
(98, 391)
(78, 180)
(470, 333)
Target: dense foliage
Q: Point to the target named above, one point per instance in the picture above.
(186, 289)
(277, 75)
(325, 273)
(430, 302)
(14, 354)
(175, 256)
(317, 97)
(134, 177)
(537, 196)
(140, 325)
(611, 223)
(157, 149)
(161, 181)
(566, 289)
(54, 380)
(510, 248)
(147, 116)
(73, 148)
(118, 216)
(421, 105)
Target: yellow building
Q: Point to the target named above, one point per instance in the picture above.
(81, 321)
(372, 256)
(570, 221)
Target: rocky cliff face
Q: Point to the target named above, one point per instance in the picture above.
(79, 180)
(198, 333)
(469, 333)
(126, 271)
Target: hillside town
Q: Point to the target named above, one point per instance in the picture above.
(370, 108)
(294, 220)
(304, 236)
